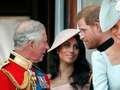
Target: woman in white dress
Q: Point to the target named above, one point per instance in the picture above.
(69, 68)
(106, 64)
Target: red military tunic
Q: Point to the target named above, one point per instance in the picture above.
(16, 68)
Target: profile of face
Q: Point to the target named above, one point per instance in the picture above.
(116, 32)
(88, 33)
(68, 51)
(39, 50)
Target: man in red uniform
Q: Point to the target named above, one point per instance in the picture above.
(17, 73)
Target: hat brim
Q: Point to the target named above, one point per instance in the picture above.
(109, 15)
(63, 37)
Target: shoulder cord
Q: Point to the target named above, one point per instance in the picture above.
(25, 84)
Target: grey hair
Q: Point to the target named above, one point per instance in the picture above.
(29, 30)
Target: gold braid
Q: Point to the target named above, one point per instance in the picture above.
(25, 84)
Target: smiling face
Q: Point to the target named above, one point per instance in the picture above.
(68, 51)
(116, 32)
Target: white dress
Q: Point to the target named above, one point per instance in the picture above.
(105, 75)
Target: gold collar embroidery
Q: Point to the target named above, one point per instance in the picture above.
(20, 60)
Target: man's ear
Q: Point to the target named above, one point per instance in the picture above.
(31, 44)
(97, 24)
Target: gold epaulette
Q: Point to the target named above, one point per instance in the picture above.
(20, 60)
(24, 85)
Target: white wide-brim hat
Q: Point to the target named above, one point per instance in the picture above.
(63, 36)
(109, 14)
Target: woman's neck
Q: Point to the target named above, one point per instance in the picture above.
(114, 53)
(65, 70)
